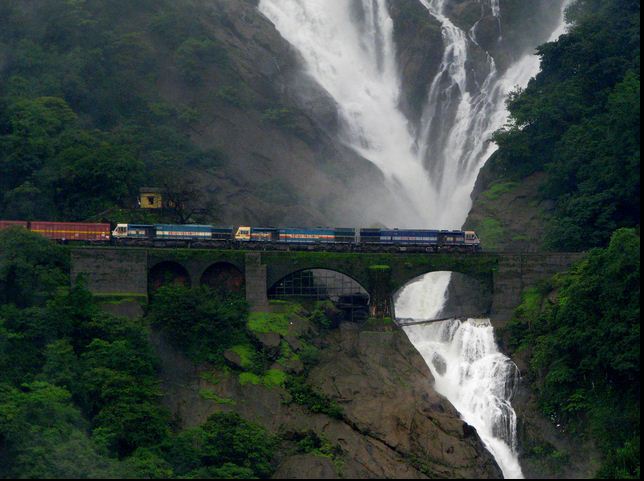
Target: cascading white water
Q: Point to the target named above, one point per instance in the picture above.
(348, 48)
(456, 124)
(467, 367)
(355, 63)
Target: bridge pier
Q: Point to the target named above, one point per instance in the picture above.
(381, 303)
(256, 285)
(519, 271)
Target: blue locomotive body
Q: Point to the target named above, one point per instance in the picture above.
(372, 239)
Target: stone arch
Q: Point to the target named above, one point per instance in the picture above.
(223, 275)
(348, 294)
(466, 295)
(167, 272)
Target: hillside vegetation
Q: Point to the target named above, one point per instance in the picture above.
(579, 121)
(581, 335)
(99, 98)
(80, 395)
(568, 168)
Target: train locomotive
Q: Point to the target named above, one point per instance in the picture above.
(248, 237)
(351, 239)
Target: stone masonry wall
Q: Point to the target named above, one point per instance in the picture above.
(518, 271)
(111, 270)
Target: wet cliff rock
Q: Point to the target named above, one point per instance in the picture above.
(420, 47)
(509, 215)
(392, 424)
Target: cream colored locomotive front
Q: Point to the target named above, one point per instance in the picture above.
(471, 238)
(120, 231)
(243, 233)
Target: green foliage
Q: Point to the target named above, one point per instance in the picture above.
(79, 391)
(43, 435)
(309, 355)
(54, 168)
(304, 395)
(310, 442)
(265, 322)
(319, 315)
(146, 463)
(246, 354)
(211, 396)
(274, 378)
(31, 267)
(498, 189)
(491, 233)
(194, 53)
(226, 445)
(271, 378)
(201, 322)
(579, 120)
(82, 121)
(549, 459)
(585, 349)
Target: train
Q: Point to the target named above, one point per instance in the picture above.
(248, 237)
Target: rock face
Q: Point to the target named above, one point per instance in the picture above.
(272, 124)
(394, 425)
(546, 452)
(289, 124)
(419, 48)
(509, 216)
(385, 389)
(467, 297)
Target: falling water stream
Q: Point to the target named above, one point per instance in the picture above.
(348, 48)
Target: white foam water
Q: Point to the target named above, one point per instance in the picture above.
(467, 366)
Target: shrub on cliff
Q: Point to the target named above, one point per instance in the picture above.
(225, 446)
(200, 322)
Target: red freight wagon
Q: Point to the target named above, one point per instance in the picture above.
(11, 223)
(72, 230)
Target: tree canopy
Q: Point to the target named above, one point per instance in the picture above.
(579, 120)
(585, 350)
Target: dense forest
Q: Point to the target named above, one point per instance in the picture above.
(79, 389)
(581, 333)
(80, 392)
(82, 122)
(579, 122)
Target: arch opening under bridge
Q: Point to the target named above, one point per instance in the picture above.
(312, 284)
(223, 276)
(167, 273)
(441, 295)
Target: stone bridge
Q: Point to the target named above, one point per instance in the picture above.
(127, 272)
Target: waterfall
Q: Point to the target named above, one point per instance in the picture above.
(355, 62)
(467, 366)
(347, 46)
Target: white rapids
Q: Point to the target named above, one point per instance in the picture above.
(467, 366)
(347, 46)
